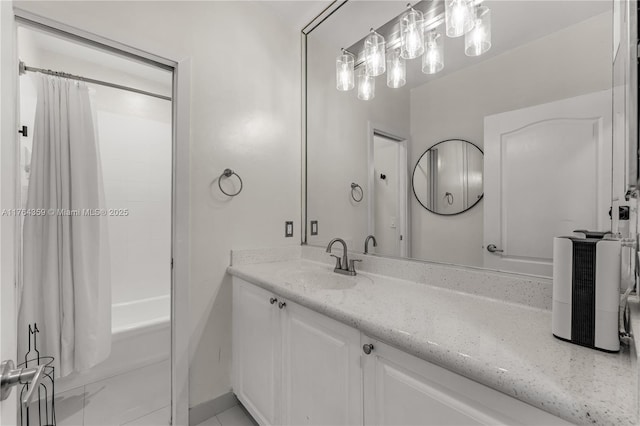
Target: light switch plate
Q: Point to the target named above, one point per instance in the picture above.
(288, 228)
(314, 227)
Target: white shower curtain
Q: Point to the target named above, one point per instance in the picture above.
(66, 286)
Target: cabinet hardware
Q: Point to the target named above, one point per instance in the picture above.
(368, 348)
(273, 300)
(281, 305)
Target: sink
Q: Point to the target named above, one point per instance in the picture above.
(320, 279)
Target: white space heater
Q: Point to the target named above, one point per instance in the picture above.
(586, 291)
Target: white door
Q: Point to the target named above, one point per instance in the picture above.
(8, 163)
(547, 173)
(389, 199)
(322, 377)
(256, 351)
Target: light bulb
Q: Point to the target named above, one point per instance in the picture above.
(366, 86)
(459, 17)
(396, 70)
(433, 58)
(345, 71)
(478, 40)
(374, 54)
(411, 33)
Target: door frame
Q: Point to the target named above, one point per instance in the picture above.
(181, 66)
(8, 196)
(398, 136)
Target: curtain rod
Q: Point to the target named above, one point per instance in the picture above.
(24, 68)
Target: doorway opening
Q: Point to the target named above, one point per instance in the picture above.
(122, 107)
(388, 204)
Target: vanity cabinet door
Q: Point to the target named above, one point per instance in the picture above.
(403, 390)
(322, 373)
(257, 348)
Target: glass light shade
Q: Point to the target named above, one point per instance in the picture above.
(459, 17)
(366, 86)
(345, 63)
(374, 54)
(478, 40)
(396, 69)
(411, 33)
(433, 58)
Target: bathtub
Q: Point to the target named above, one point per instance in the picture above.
(141, 336)
(140, 316)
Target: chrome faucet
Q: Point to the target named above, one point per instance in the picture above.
(343, 266)
(366, 243)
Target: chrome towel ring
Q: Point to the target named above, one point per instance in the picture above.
(227, 174)
(449, 197)
(354, 192)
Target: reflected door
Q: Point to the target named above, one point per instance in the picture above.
(388, 209)
(547, 173)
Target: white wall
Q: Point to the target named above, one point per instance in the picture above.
(577, 60)
(338, 138)
(245, 114)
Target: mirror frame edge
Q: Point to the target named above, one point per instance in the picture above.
(333, 7)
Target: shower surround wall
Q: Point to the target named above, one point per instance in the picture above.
(136, 158)
(245, 115)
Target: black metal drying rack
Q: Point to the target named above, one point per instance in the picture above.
(41, 411)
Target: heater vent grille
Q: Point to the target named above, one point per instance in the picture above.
(583, 299)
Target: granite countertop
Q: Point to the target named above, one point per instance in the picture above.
(506, 346)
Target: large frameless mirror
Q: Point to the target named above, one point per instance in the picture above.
(447, 179)
(529, 83)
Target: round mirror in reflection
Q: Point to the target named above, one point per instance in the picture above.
(447, 179)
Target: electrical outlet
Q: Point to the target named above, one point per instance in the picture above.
(314, 227)
(288, 228)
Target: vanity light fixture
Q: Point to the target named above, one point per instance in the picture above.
(396, 69)
(345, 63)
(478, 40)
(459, 17)
(433, 58)
(366, 86)
(416, 37)
(374, 54)
(411, 33)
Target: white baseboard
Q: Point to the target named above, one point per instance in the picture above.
(205, 410)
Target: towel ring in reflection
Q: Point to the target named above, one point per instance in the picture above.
(227, 174)
(449, 197)
(354, 188)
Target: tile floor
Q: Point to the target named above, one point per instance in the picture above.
(234, 416)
